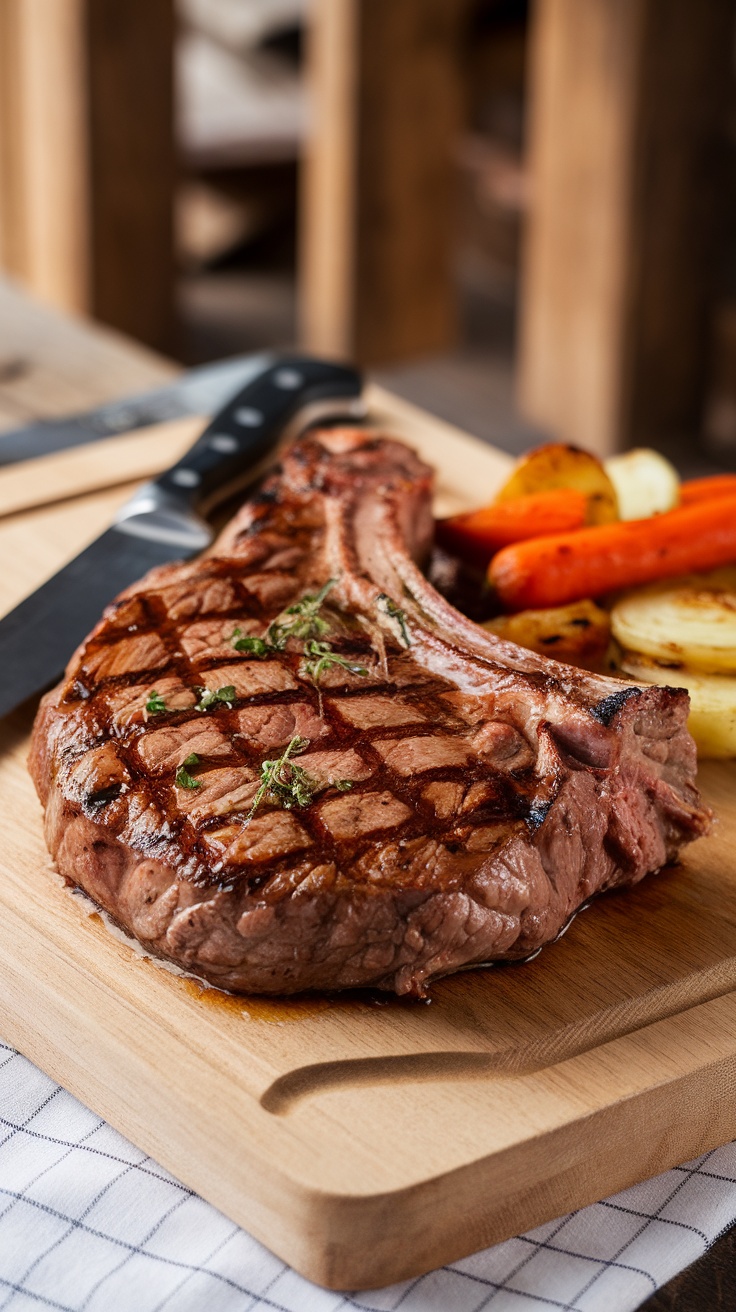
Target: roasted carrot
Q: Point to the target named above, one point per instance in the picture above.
(569, 566)
(477, 535)
(705, 489)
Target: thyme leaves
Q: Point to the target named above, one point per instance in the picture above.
(306, 622)
(395, 613)
(282, 781)
(301, 621)
(251, 646)
(287, 784)
(183, 778)
(319, 656)
(209, 697)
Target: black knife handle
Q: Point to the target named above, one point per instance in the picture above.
(250, 426)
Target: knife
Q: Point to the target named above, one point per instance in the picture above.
(200, 391)
(165, 519)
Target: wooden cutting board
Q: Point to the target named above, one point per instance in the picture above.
(368, 1143)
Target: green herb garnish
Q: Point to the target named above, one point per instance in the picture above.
(183, 777)
(394, 612)
(287, 784)
(245, 642)
(307, 622)
(210, 697)
(155, 704)
(320, 656)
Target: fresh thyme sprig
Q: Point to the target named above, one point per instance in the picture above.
(394, 612)
(278, 780)
(209, 697)
(307, 622)
(245, 642)
(155, 704)
(183, 777)
(319, 656)
(287, 784)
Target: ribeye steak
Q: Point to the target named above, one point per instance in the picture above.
(291, 764)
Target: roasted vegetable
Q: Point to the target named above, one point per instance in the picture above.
(646, 484)
(593, 561)
(712, 719)
(705, 489)
(691, 621)
(559, 466)
(476, 536)
(577, 634)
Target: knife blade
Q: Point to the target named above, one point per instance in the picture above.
(200, 391)
(165, 519)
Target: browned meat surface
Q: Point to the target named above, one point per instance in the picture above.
(452, 803)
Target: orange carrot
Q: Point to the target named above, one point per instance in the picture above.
(705, 489)
(477, 535)
(570, 566)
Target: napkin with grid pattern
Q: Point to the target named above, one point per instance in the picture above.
(88, 1222)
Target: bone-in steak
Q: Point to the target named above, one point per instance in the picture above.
(435, 797)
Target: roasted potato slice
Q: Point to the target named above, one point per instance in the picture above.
(646, 484)
(577, 634)
(712, 720)
(556, 465)
(690, 620)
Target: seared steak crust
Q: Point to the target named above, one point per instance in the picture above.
(492, 791)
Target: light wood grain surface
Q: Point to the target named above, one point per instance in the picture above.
(53, 364)
(365, 1144)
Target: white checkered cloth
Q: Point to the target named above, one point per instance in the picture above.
(89, 1222)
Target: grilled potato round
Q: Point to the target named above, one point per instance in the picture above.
(646, 484)
(577, 634)
(557, 465)
(712, 720)
(689, 621)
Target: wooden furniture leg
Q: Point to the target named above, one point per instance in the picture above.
(628, 104)
(87, 157)
(43, 160)
(376, 207)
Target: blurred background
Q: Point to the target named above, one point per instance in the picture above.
(517, 214)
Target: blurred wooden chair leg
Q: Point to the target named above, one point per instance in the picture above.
(44, 199)
(87, 157)
(628, 102)
(377, 195)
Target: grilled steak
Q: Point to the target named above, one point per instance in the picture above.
(432, 796)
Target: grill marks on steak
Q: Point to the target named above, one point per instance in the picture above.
(492, 791)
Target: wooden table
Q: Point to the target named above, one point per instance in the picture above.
(51, 364)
